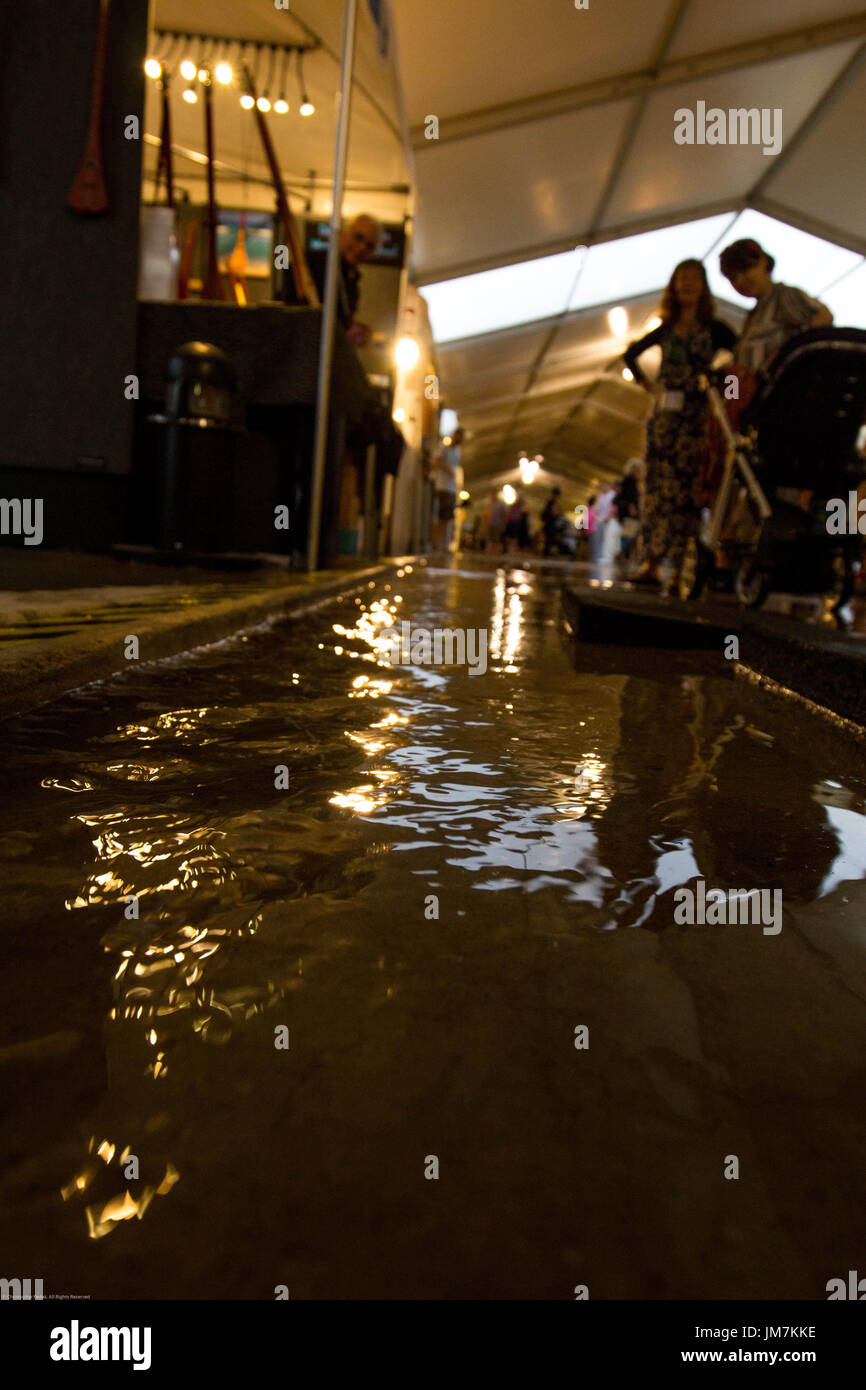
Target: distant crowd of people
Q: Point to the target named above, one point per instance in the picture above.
(603, 530)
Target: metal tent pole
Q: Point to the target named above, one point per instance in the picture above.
(326, 345)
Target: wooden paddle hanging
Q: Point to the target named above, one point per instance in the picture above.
(165, 164)
(212, 285)
(88, 193)
(305, 285)
(186, 261)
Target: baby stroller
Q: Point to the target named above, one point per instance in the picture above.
(794, 453)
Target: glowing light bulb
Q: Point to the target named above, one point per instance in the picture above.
(281, 106)
(188, 69)
(247, 102)
(307, 108)
(626, 374)
(406, 353)
(263, 104)
(203, 75)
(190, 95)
(153, 68)
(223, 73)
(399, 415)
(508, 494)
(618, 320)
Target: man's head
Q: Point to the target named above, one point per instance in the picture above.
(359, 239)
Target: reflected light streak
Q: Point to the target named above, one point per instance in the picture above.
(514, 627)
(497, 616)
(358, 799)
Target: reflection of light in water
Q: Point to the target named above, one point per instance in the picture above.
(358, 799)
(104, 1215)
(202, 862)
(176, 722)
(365, 688)
(380, 614)
(562, 853)
(497, 616)
(506, 621)
(589, 786)
(135, 772)
(390, 720)
(676, 867)
(850, 862)
(371, 746)
(514, 622)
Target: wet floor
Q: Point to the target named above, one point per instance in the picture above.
(424, 881)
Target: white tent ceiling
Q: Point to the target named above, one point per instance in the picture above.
(555, 130)
(556, 124)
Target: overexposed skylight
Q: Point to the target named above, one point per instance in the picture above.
(499, 298)
(846, 300)
(634, 265)
(801, 259)
(642, 264)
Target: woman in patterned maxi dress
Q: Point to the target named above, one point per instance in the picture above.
(676, 438)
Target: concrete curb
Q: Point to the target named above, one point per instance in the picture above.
(34, 672)
(823, 666)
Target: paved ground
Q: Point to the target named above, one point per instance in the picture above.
(548, 809)
(65, 618)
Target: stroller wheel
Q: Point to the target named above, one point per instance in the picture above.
(694, 570)
(752, 583)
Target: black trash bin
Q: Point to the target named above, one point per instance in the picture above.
(196, 469)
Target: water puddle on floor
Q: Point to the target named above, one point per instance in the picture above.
(427, 878)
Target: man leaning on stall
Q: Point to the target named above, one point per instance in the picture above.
(359, 242)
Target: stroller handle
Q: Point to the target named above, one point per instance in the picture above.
(737, 463)
(717, 405)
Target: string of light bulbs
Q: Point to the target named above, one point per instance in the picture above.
(172, 51)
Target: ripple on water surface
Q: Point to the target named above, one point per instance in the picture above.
(182, 845)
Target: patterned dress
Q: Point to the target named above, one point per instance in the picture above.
(676, 436)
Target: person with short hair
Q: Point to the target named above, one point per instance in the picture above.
(780, 310)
